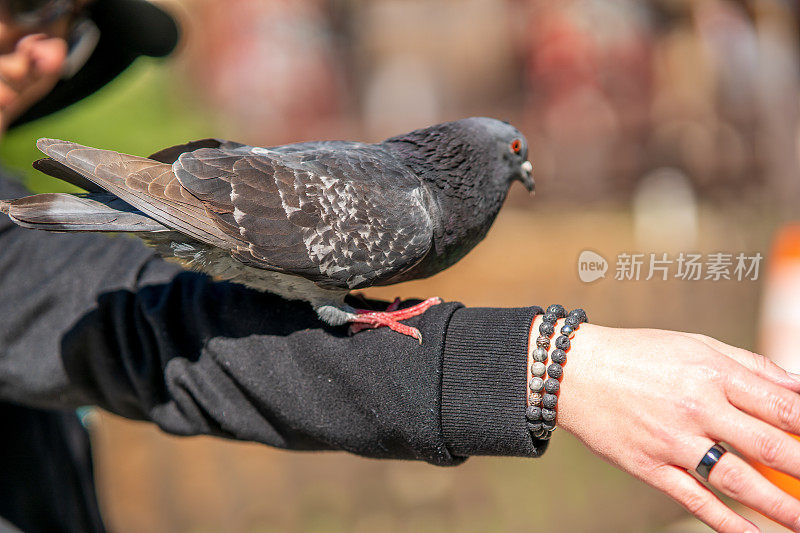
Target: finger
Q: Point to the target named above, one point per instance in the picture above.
(756, 363)
(764, 400)
(701, 502)
(16, 68)
(45, 54)
(7, 94)
(757, 440)
(737, 479)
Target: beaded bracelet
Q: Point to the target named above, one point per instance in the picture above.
(534, 410)
(543, 399)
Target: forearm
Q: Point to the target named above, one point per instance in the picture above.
(257, 367)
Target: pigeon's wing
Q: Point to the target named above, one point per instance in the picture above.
(147, 185)
(342, 215)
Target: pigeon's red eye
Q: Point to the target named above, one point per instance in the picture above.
(516, 146)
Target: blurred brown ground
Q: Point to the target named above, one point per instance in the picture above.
(149, 481)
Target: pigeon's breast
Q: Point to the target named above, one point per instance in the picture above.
(434, 262)
(460, 225)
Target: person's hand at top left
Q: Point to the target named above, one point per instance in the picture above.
(32, 60)
(29, 71)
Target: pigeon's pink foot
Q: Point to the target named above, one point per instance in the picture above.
(391, 318)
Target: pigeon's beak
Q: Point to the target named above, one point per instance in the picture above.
(527, 177)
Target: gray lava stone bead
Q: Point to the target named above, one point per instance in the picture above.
(535, 427)
(551, 386)
(555, 371)
(535, 398)
(538, 369)
(540, 355)
(533, 413)
(546, 329)
(580, 314)
(567, 331)
(558, 356)
(550, 318)
(537, 384)
(562, 342)
(549, 401)
(548, 415)
(557, 310)
(548, 426)
(572, 321)
(546, 435)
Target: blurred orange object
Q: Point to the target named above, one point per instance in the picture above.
(780, 312)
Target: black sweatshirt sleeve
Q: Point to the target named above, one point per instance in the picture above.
(92, 320)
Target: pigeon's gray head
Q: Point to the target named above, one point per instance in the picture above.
(481, 153)
(505, 147)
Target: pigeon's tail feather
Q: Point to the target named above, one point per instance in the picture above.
(53, 168)
(66, 212)
(107, 169)
(87, 161)
(146, 184)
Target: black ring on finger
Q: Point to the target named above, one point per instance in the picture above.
(710, 459)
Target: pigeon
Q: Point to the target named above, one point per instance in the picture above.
(307, 221)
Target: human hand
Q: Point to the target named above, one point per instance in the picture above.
(29, 69)
(652, 402)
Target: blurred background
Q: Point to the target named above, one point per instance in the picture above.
(655, 126)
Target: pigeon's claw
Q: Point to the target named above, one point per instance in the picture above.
(370, 322)
(365, 319)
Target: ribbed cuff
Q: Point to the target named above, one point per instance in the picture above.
(484, 380)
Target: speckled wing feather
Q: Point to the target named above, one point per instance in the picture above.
(341, 214)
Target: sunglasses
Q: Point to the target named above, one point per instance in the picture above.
(32, 15)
